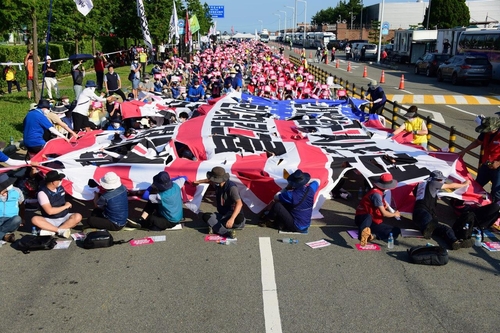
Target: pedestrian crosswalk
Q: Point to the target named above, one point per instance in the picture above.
(444, 99)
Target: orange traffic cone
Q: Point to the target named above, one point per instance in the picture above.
(365, 73)
(402, 82)
(349, 66)
(337, 64)
(382, 77)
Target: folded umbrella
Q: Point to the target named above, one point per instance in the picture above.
(80, 56)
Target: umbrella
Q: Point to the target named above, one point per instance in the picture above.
(80, 56)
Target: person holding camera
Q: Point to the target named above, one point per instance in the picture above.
(77, 73)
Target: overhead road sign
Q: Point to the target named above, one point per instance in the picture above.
(216, 11)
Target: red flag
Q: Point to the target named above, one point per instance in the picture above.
(187, 31)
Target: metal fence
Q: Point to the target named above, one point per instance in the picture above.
(439, 137)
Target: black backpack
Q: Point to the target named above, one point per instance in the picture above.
(34, 243)
(428, 255)
(99, 239)
(464, 225)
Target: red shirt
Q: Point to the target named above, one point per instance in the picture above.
(491, 146)
(99, 65)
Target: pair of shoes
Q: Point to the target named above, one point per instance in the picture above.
(429, 229)
(9, 238)
(266, 223)
(133, 224)
(231, 233)
(366, 233)
(65, 233)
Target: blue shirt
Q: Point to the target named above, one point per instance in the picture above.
(3, 157)
(376, 94)
(34, 125)
(194, 94)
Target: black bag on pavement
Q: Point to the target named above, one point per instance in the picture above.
(34, 243)
(464, 225)
(428, 255)
(99, 239)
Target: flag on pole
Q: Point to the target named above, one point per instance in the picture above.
(194, 25)
(174, 26)
(213, 29)
(187, 32)
(232, 30)
(144, 24)
(84, 6)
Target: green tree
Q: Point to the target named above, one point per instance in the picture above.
(446, 14)
(373, 35)
(342, 12)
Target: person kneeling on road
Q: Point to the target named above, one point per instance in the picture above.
(292, 206)
(229, 214)
(111, 210)
(54, 208)
(163, 209)
(424, 212)
(373, 208)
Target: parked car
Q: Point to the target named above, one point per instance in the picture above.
(466, 68)
(430, 62)
(370, 52)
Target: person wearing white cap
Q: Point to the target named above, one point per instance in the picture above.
(111, 210)
(377, 95)
(55, 217)
(50, 77)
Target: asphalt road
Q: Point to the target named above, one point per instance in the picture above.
(258, 285)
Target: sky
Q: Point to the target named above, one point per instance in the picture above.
(244, 15)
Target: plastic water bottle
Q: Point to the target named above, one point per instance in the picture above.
(227, 241)
(477, 241)
(360, 193)
(290, 240)
(11, 140)
(34, 232)
(390, 241)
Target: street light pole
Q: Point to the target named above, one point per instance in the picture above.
(279, 23)
(261, 23)
(284, 33)
(305, 21)
(293, 21)
(380, 31)
(428, 15)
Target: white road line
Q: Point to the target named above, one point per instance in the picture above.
(406, 91)
(269, 292)
(436, 116)
(439, 99)
(459, 99)
(466, 112)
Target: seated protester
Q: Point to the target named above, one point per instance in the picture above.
(146, 85)
(55, 117)
(174, 88)
(416, 125)
(195, 92)
(56, 217)
(373, 208)
(114, 110)
(111, 210)
(10, 161)
(116, 125)
(228, 86)
(292, 206)
(163, 209)
(11, 198)
(157, 85)
(229, 215)
(424, 211)
(183, 116)
(35, 125)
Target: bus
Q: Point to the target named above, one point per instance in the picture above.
(322, 38)
(484, 41)
(264, 36)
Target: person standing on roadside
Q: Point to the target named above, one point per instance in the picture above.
(28, 63)
(113, 83)
(50, 80)
(77, 73)
(10, 77)
(143, 59)
(99, 65)
(489, 140)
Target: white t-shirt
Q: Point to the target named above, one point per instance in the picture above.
(83, 103)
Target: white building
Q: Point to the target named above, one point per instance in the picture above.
(402, 15)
